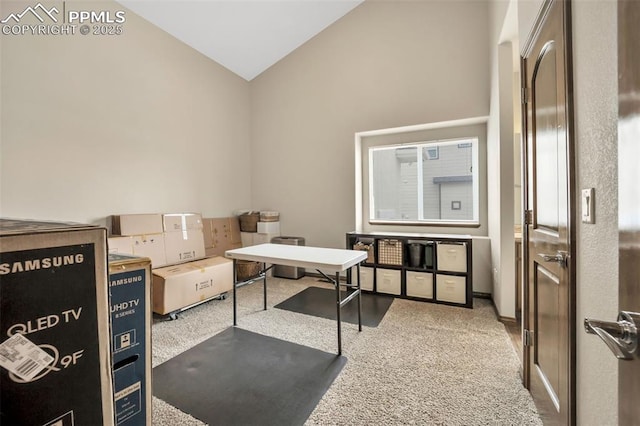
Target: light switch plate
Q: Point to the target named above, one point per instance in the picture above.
(588, 206)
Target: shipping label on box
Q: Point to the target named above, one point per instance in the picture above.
(184, 246)
(181, 221)
(130, 300)
(136, 224)
(54, 297)
(180, 286)
(151, 246)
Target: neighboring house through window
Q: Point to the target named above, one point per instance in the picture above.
(417, 177)
(431, 181)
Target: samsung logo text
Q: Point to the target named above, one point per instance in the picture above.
(36, 264)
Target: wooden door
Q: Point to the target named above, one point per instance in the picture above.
(628, 197)
(549, 241)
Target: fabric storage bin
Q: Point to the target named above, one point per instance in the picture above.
(368, 247)
(246, 269)
(420, 284)
(269, 216)
(452, 257)
(387, 281)
(450, 288)
(249, 222)
(366, 278)
(390, 252)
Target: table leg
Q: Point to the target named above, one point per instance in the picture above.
(359, 300)
(234, 293)
(338, 309)
(264, 283)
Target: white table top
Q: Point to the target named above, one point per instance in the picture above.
(334, 260)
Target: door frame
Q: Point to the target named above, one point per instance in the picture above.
(571, 204)
(628, 231)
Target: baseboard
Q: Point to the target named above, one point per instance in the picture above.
(481, 295)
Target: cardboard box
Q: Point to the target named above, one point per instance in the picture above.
(234, 226)
(181, 221)
(269, 228)
(215, 251)
(184, 246)
(151, 246)
(213, 229)
(54, 327)
(130, 302)
(118, 244)
(180, 286)
(136, 224)
(221, 234)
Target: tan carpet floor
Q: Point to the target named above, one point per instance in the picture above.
(425, 364)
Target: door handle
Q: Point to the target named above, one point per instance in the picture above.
(562, 257)
(620, 336)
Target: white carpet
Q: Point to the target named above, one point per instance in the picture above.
(425, 364)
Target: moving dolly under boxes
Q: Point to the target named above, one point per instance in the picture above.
(55, 361)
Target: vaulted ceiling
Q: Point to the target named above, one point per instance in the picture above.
(245, 36)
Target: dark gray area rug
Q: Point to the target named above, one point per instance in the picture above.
(321, 302)
(238, 377)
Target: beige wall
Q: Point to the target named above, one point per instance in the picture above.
(595, 104)
(92, 126)
(595, 95)
(100, 125)
(385, 64)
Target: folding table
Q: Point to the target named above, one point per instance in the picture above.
(330, 260)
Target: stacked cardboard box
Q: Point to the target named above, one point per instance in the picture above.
(166, 239)
(185, 273)
(55, 340)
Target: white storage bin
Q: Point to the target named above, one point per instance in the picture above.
(450, 288)
(366, 278)
(269, 228)
(452, 257)
(387, 281)
(420, 284)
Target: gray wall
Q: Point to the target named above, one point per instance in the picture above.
(99, 125)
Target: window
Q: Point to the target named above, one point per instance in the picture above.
(425, 182)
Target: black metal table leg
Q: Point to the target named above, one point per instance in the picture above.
(235, 277)
(264, 268)
(359, 300)
(338, 309)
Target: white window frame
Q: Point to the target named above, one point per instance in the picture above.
(474, 141)
(362, 218)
